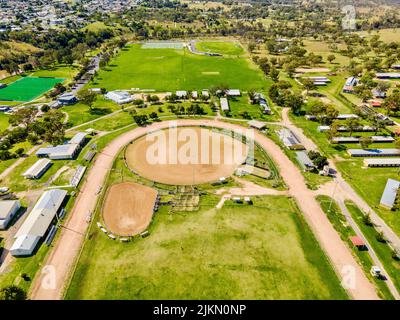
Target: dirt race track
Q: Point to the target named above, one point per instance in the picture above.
(128, 208)
(68, 245)
(227, 152)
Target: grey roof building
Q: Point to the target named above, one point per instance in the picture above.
(37, 222)
(37, 169)
(382, 162)
(390, 193)
(373, 152)
(8, 209)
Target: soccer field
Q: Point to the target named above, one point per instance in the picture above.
(264, 251)
(28, 88)
(173, 69)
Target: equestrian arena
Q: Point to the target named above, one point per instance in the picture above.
(185, 156)
(128, 208)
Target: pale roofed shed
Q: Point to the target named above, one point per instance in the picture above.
(37, 169)
(8, 209)
(257, 124)
(390, 193)
(37, 222)
(224, 104)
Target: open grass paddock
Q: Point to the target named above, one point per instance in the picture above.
(264, 251)
(28, 88)
(170, 70)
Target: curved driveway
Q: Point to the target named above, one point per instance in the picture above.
(63, 255)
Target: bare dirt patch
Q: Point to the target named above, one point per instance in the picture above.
(128, 208)
(190, 173)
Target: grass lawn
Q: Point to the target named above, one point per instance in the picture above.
(370, 183)
(61, 71)
(265, 251)
(225, 48)
(4, 121)
(28, 88)
(80, 113)
(170, 70)
(382, 249)
(241, 104)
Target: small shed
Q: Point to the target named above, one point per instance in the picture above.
(257, 124)
(357, 242)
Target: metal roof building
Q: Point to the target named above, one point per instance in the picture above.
(79, 138)
(289, 139)
(257, 124)
(38, 169)
(233, 92)
(375, 139)
(388, 75)
(382, 162)
(65, 151)
(374, 152)
(347, 116)
(224, 104)
(119, 96)
(8, 208)
(390, 193)
(37, 222)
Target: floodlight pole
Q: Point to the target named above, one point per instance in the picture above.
(333, 195)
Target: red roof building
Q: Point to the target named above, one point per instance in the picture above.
(357, 241)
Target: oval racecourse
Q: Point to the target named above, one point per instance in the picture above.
(128, 208)
(196, 156)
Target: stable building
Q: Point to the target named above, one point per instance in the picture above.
(388, 75)
(382, 162)
(61, 152)
(390, 193)
(233, 93)
(38, 169)
(38, 222)
(8, 209)
(64, 151)
(224, 104)
(373, 152)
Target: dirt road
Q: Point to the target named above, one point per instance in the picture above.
(67, 247)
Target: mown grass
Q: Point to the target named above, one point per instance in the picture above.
(264, 251)
(225, 48)
(369, 184)
(169, 70)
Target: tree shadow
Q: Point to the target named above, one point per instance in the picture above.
(100, 111)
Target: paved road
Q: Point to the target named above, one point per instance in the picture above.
(67, 247)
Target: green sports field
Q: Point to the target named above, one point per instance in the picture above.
(28, 88)
(264, 251)
(171, 69)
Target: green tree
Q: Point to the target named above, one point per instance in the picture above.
(12, 293)
(87, 97)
